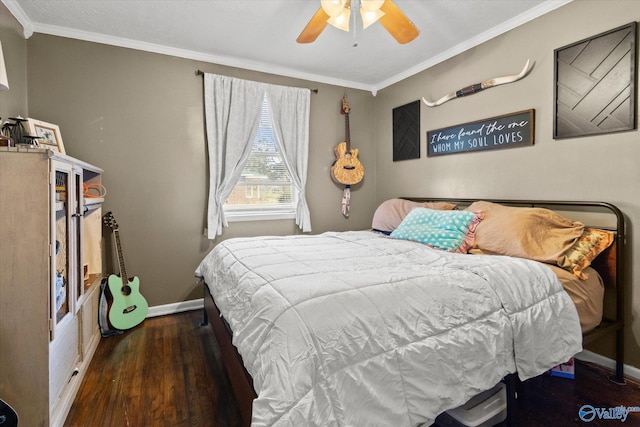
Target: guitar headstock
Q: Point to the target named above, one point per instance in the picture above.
(345, 106)
(109, 221)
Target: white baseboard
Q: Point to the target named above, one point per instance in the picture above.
(178, 307)
(589, 356)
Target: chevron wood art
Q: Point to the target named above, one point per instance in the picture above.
(595, 84)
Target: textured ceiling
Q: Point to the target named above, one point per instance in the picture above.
(260, 34)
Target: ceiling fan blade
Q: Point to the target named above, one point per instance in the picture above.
(397, 24)
(314, 27)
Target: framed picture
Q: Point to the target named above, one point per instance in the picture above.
(595, 84)
(49, 134)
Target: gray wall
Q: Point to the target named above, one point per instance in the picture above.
(13, 102)
(139, 116)
(590, 168)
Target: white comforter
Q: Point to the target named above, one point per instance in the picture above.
(358, 329)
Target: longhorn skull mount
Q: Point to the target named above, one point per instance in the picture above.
(468, 90)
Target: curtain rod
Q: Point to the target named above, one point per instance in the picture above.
(201, 73)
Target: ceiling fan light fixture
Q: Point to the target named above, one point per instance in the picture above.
(369, 17)
(371, 5)
(338, 14)
(333, 8)
(341, 21)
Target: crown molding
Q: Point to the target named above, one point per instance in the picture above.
(475, 41)
(29, 28)
(21, 17)
(194, 55)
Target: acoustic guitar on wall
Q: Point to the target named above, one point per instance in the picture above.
(347, 169)
(129, 307)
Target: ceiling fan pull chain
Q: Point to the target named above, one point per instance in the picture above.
(354, 23)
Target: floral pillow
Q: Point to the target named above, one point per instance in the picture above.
(592, 242)
(451, 231)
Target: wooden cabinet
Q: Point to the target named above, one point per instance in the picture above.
(50, 273)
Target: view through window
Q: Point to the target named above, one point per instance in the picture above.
(265, 184)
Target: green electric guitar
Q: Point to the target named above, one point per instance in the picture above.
(129, 308)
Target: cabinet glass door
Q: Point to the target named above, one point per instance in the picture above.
(78, 211)
(61, 294)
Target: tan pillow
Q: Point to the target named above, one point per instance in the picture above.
(391, 212)
(534, 233)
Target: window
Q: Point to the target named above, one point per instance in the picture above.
(265, 190)
(231, 106)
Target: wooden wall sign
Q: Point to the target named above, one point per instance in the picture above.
(595, 90)
(507, 131)
(406, 131)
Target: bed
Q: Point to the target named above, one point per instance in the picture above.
(364, 328)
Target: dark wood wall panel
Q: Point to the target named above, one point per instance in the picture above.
(406, 131)
(595, 84)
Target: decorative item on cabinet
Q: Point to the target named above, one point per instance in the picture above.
(48, 134)
(19, 133)
(16, 134)
(5, 136)
(15, 131)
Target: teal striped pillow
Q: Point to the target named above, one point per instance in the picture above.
(451, 231)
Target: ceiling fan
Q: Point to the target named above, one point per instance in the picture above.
(338, 13)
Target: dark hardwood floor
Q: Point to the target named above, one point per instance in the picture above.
(168, 372)
(165, 372)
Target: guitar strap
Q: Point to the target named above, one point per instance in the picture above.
(346, 201)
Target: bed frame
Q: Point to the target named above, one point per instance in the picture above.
(609, 265)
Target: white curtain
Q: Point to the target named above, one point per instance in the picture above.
(289, 107)
(232, 115)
